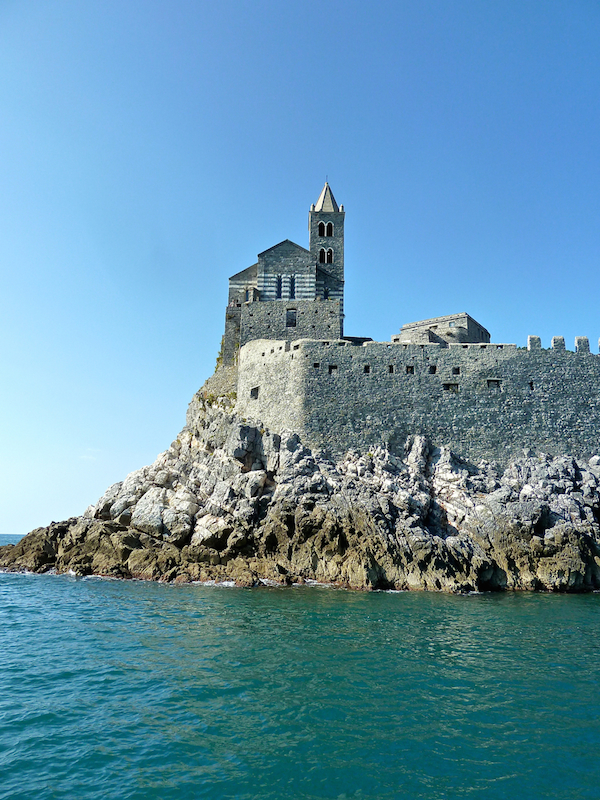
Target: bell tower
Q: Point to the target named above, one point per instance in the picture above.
(326, 227)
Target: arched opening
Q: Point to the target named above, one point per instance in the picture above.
(330, 256)
(322, 257)
(292, 288)
(325, 293)
(279, 287)
(321, 229)
(329, 229)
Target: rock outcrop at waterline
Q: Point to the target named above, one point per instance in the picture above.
(231, 501)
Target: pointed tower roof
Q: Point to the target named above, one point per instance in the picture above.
(326, 201)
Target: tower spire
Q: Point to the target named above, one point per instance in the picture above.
(326, 201)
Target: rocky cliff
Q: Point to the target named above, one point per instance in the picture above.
(230, 500)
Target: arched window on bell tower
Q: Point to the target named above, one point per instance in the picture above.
(329, 229)
(321, 229)
(322, 256)
(330, 256)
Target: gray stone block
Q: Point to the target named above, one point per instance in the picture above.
(582, 344)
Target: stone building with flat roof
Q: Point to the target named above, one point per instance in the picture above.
(451, 329)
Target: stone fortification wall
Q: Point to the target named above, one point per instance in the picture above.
(313, 319)
(484, 401)
(274, 379)
(230, 344)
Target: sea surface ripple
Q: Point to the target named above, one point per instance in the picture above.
(112, 689)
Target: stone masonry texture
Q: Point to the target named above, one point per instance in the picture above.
(483, 401)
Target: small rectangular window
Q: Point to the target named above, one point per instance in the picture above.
(410, 370)
(316, 365)
(254, 393)
(367, 369)
(450, 387)
(494, 384)
(296, 346)
(391, 369)
(333, 369)
(432, 369)
(456, 370)
(290, 318)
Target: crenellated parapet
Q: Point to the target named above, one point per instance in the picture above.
(582, 343)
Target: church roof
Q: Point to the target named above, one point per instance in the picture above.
(245, 274)
(326, 201)
(286, 246)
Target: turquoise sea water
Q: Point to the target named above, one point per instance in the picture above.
(115, 689)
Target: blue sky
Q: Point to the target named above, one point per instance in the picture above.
(150, 149)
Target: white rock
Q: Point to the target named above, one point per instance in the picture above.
(147, 515)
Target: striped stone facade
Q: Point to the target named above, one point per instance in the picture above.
(309, 283)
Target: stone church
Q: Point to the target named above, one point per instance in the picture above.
(307, 285)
